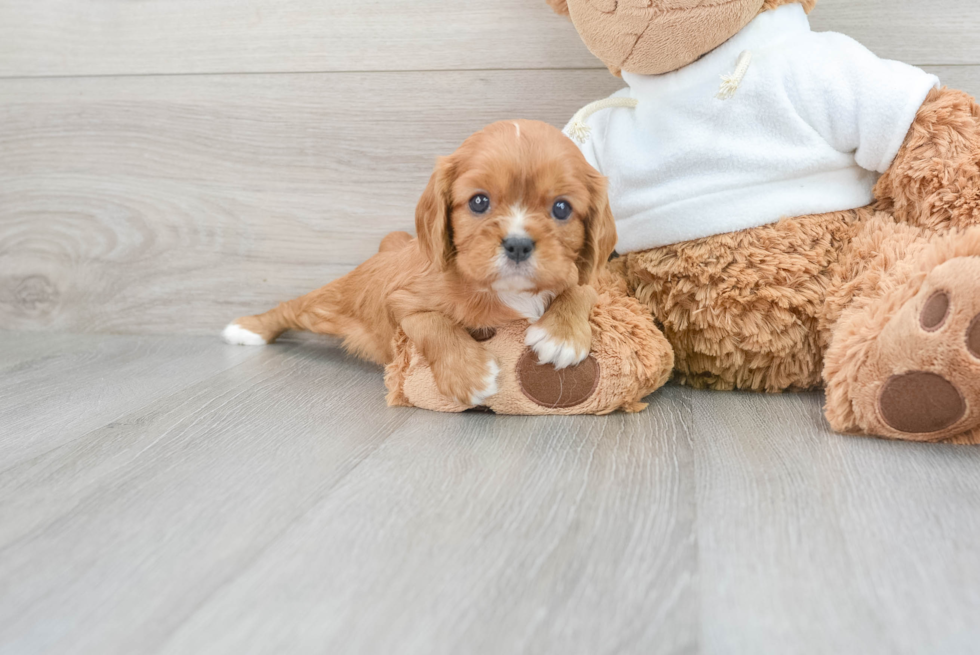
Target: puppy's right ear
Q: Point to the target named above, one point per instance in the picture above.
(600, 231)
(433, 214)
(560, 6)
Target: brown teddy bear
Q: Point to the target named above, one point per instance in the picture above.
(794, 211)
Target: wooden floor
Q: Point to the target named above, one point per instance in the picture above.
(178, 495)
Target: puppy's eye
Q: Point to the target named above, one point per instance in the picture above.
(561, 210)
(479, 204)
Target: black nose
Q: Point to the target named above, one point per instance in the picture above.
(518, 248)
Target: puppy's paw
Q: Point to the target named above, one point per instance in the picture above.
(489, 387)
(562, 352)
(470, 382)
(236, 335)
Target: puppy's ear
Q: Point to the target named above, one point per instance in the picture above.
(600, 233)
(433, 214)
(560, 6)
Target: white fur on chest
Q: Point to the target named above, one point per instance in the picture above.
(516, 295)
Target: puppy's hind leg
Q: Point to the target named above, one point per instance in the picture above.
(315, 312)
(394, 241)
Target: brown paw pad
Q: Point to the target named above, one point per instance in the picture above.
(920, 403)
(549, 387)
(935, 311)
(973, 337)
(483, 334)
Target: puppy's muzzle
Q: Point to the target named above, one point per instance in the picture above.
(517, 249)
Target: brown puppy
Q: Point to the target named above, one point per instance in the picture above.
(513, 225)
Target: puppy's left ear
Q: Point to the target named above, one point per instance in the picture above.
(600, 233)
(433, 216)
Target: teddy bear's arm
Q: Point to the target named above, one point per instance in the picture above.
(860, 104)
(935, 179)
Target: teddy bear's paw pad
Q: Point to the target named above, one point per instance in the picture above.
(547, 386)
(927, 371)
(920, 402)
(973, 337)
(935, 311)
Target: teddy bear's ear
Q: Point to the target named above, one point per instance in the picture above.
(560, 6)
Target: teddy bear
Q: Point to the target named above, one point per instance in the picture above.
(793, 211)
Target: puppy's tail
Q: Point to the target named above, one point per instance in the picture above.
(315, 312)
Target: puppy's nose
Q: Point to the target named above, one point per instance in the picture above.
(518, 248)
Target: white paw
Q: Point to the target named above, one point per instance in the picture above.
(489, 385)
(237, 335)
(553, 351)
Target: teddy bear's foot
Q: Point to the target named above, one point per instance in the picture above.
(919, 379)
(630, 358)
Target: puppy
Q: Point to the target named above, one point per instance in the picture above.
(514, 224)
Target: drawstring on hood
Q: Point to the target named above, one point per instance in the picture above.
(730, 83)
(578, 131)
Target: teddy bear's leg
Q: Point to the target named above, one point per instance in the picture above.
(934, 181)
(629, 359)
(743, 310)
(904, 355)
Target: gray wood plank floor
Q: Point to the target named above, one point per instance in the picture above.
(177, 495)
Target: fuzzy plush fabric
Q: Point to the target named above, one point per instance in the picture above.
(650, 38)
(933, 180)
(654, 37)
(743, 310)
(901, 362)
(848, 300)
(809, 129)
(630, 359)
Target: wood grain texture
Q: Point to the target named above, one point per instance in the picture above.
(110, 542)
(104, 37)
(82, 383)
(507, 534)
(19, 347)
(280, 507)
(107, 37)
(173, 204)
(176, 204)
(933, 33)
(822, 543)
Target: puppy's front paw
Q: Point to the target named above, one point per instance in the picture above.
(565, 351)
(470, 383)
(489, 387)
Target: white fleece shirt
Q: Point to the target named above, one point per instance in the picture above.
(813, 123)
